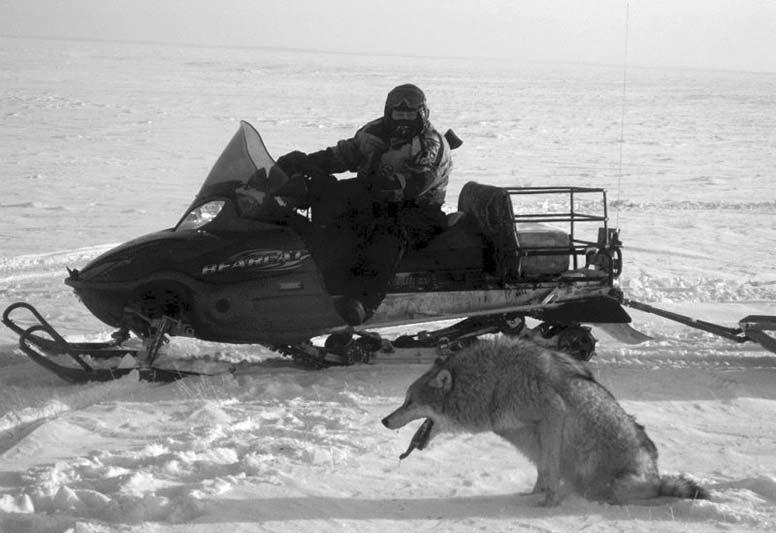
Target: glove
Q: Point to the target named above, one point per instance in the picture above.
(389, 188)
(319, 161)
(292, 162)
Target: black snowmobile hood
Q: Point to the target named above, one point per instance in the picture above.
(246, 176)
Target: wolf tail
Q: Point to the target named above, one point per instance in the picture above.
(682, 487)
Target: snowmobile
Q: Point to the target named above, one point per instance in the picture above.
(245, 265)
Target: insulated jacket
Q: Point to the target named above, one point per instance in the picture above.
(420, 167)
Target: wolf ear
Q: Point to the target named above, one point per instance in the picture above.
(443, 380)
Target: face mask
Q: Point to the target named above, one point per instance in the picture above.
(404, 123)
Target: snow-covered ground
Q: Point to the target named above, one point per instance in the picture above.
(104, 142)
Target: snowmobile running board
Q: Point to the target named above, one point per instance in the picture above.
(104, 361)
(94, 359)
(751, 328)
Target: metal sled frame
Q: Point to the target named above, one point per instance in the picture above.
(42, 349)
(751, 328)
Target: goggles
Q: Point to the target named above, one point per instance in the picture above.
(404, 114)
(409, 100)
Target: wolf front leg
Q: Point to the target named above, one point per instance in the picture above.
(550, 440)
(526, 440)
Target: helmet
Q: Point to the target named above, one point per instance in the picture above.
(406, 113)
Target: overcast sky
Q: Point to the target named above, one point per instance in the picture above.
(727, 34)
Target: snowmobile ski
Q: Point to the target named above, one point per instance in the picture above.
(96, 361)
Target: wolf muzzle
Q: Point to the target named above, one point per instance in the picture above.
(399, 418)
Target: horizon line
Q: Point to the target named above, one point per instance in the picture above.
(279, 48)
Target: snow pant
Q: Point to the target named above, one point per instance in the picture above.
(361, 243)
(381, 245)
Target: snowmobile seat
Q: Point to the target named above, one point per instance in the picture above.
(491, 207)
(460, 247)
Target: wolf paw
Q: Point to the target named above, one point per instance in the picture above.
(541, 486)
(551, 499)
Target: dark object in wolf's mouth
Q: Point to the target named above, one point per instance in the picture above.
(420, 438)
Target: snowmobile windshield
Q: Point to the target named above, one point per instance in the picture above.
(246, 176)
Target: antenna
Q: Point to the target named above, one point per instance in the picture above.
(622, 112)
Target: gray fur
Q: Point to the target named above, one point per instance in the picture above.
(550, 407)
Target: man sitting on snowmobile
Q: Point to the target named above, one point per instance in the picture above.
(403, 165)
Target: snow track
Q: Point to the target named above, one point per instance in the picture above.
(307, 447)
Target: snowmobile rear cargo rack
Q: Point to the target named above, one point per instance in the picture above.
(574, 216)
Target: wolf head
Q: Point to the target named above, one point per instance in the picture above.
(424, 399)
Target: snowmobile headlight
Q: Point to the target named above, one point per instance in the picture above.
(199, 216)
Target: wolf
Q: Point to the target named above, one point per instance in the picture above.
(551, 408)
